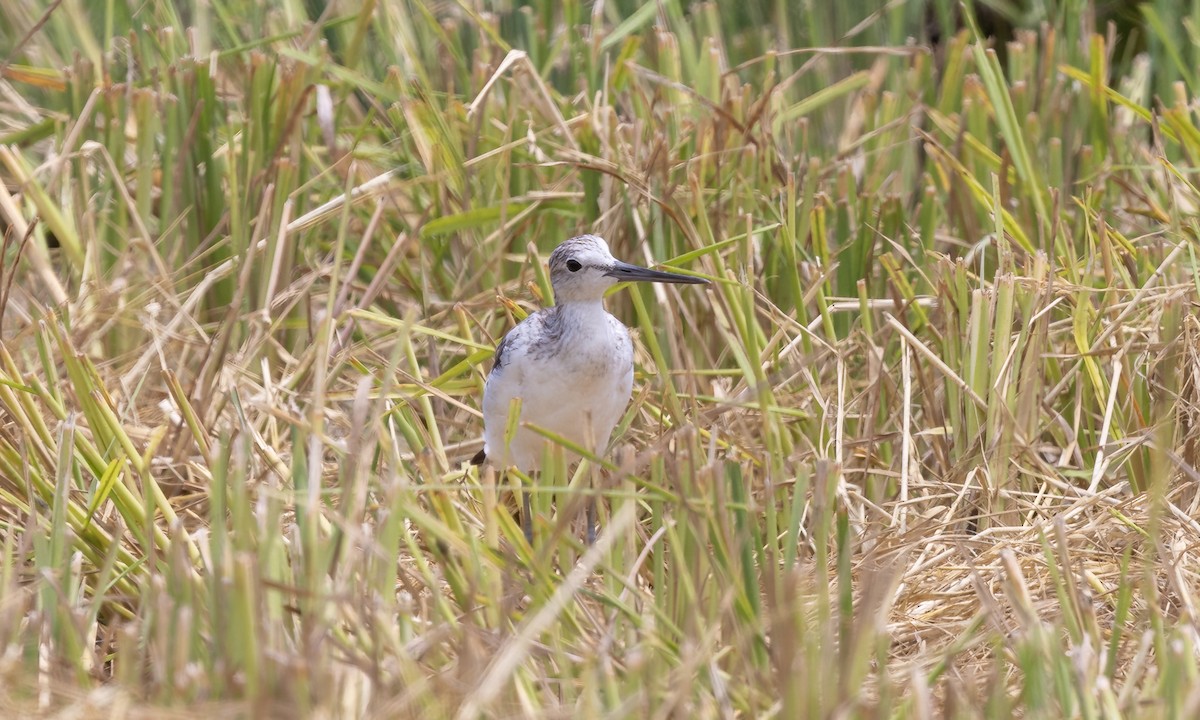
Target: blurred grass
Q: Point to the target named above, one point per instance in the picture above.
(927, 447)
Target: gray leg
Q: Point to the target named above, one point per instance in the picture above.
(526, 515)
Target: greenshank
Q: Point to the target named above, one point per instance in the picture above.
(571, 364)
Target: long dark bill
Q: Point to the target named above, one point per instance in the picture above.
(635, 273)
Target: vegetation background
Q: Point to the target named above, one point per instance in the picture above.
(927, 447)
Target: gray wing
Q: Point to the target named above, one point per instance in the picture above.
(536, 328)
(511, 347)
(497, 364)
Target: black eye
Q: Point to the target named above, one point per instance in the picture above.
(573, 265)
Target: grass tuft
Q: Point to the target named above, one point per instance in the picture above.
(925, 447)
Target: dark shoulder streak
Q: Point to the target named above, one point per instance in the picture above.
(498, 357)
(551, 332)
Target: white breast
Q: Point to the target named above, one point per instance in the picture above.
(572, 367)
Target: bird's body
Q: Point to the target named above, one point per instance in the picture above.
(572, 367)
(571, 364)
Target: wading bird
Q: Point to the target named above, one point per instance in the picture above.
(571, 364)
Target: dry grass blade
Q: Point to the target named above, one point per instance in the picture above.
(926, 446)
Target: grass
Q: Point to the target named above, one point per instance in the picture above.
(927, 447)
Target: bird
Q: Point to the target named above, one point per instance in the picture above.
(570, 364)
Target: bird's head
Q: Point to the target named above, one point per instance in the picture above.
(583, 268)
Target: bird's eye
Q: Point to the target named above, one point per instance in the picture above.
(574, 265)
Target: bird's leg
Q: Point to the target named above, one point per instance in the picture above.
(526, 515)
(591, 521)
(590, 510)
